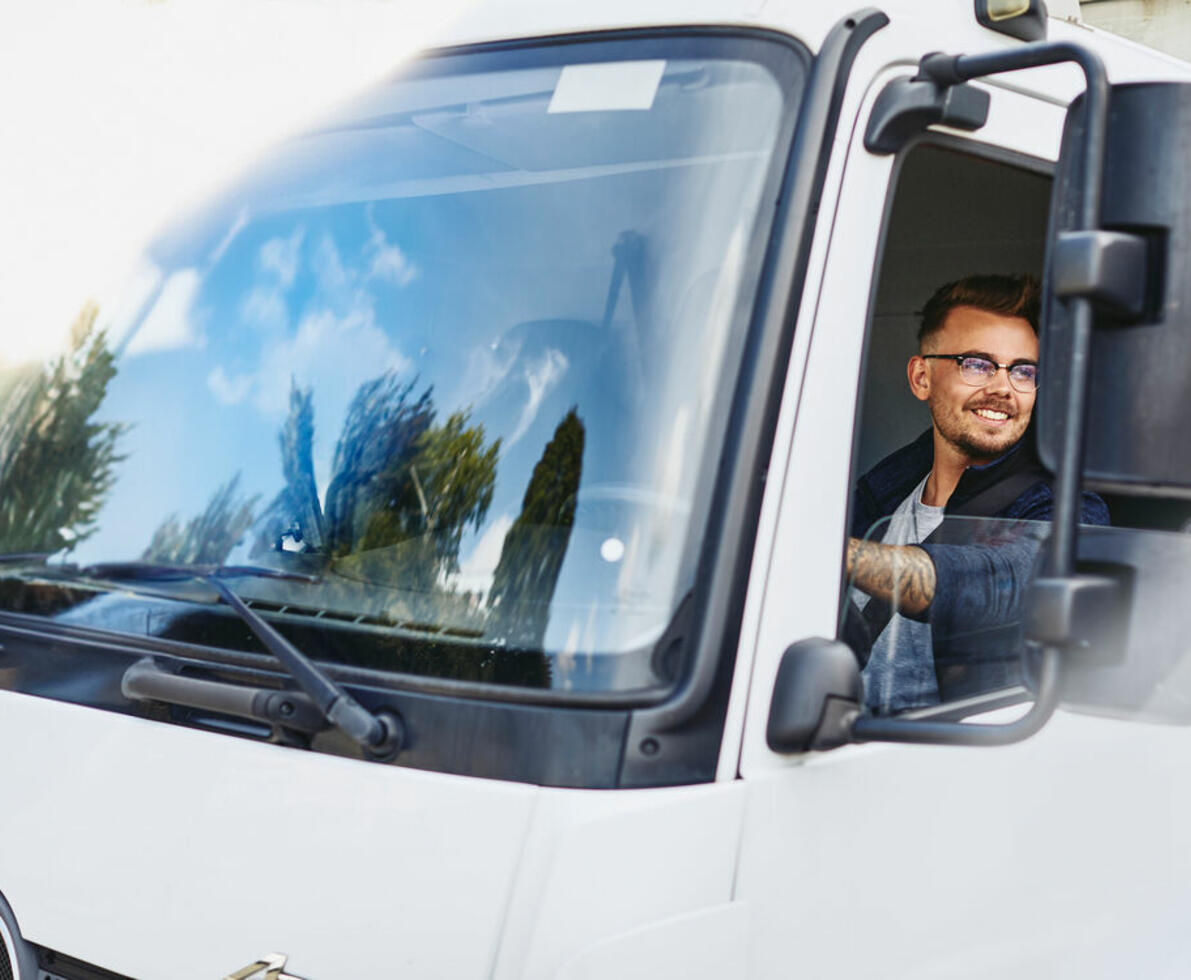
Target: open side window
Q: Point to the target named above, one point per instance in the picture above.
(955, 210)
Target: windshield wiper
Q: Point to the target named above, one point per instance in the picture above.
(379, 734)
(149, 571)
(25, 558)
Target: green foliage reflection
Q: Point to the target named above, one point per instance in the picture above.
(207, 538)
(57, 463)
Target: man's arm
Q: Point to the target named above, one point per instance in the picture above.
(902, 575)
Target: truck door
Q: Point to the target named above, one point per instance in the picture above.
(899, 860)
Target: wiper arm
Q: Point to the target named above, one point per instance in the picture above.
(379, 734)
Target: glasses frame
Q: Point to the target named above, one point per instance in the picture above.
(960, 358)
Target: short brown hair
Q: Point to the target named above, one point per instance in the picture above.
(1007, 295)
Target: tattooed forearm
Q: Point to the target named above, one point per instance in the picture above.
(902, 575)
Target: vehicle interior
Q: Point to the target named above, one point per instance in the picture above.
(954, 213)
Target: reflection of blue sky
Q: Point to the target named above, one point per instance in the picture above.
(495, 297)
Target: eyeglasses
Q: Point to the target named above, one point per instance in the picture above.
(979, 371)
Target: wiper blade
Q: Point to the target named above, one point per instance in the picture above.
(25, 558)
(149, 571)
(380, 734)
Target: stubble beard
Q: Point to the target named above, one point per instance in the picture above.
(978, 446)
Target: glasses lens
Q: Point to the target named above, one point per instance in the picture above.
(1024, 376)
(977, 370)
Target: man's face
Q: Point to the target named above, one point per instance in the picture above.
(983, 422)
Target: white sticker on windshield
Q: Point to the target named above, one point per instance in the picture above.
(607, 87)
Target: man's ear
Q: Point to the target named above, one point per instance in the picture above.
(919, 378)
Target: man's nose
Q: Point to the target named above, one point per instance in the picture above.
(999, 381)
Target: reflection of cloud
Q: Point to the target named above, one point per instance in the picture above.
(540, 377)
(169, 325)
(476, 570)
(388, 261)
(280, 256)
(487, 366)
(338, 351)
(264, 306)
(229, 390)
(328, 267)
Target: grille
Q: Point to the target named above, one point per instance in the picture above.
(6, 968)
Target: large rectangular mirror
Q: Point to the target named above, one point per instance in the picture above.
(1137, 435)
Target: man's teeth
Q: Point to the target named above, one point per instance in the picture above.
(992, 414)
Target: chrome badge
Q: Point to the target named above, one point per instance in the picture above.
(266, 968)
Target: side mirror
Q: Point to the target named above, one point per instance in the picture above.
(1137, 437)
(816, 697)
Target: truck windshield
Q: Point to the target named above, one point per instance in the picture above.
(460, 356)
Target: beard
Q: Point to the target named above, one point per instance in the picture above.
(980, 443)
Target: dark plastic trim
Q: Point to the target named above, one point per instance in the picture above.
(295, 711)
(812, 674)
(679, 741)
(26, 625)
(868, 728)
(1107, 267)
(57, 964)
(907, 106)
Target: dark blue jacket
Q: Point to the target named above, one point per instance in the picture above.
(982, 568)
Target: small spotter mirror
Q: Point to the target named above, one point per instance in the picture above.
(1022, 19)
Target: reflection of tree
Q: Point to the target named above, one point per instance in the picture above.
(56, 463)
(534, 548)
(404, 489)
(376, 444)
(207, 538)
(295, 511)
(405, 486)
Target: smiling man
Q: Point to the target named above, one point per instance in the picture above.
(977, 371)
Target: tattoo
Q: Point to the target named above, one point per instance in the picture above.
(902, 575)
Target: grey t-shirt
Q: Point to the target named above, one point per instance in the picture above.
(900, 672)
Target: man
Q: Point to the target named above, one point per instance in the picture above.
(977, 370)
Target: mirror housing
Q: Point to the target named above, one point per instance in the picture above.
(1022, 19)
(816, 697)
(1137, 437)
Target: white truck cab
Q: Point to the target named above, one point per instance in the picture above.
(435, 568)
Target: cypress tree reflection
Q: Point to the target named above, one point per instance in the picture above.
(533, 550)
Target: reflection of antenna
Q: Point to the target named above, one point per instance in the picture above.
(629, 256)
(629, 261)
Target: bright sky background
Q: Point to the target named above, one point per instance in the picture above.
(117, 113)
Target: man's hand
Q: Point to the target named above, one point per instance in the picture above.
(902, 575)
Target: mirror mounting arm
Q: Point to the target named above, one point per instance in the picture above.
(948, 70)
(870, 728)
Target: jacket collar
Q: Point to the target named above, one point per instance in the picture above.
(892, 479)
